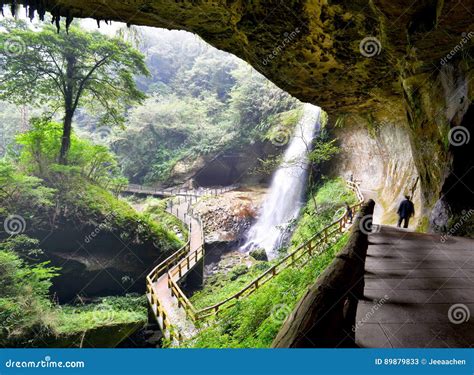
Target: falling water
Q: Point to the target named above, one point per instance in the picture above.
(284, 199)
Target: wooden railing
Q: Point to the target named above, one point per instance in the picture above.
(325, 316)
(155, 304)
(313, 246)
(175, 266)
(316, 245)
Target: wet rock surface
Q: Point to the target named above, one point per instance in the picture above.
(226, 217)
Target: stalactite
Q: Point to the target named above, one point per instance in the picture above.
(69, 19)
(13, 8)
(41, 9)
(30, 10)
(56, 19)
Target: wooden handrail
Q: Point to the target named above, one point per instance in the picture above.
(303, 249)
(184, 264)
(156, 272)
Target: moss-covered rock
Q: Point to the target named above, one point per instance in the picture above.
(259, 254)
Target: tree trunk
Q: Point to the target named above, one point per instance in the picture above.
(69, 109)
(66, 137)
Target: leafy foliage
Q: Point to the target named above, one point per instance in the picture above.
(79, 192)
(251, 323)
(24, 301)
(170, 128)
(93, 162)
(326, 205)
(323, 150)
(254, 321)
(23, 194)
(70, 70)
(27, 312)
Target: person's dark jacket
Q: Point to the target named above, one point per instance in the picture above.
(406, 209)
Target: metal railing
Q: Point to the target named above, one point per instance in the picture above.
(171, 192)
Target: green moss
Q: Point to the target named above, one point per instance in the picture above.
(109, 311)
(423, 225)
(94, 204)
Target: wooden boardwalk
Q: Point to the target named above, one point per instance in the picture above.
(419, 291)
(176, 314)
(172, 309)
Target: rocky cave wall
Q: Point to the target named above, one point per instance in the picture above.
(354, 58)
(375, 150)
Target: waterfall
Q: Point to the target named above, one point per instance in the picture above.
(285, 197)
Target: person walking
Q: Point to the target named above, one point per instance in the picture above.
(405, 211)
(348, 213)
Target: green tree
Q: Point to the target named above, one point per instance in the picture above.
(70, 70)
(38, 156)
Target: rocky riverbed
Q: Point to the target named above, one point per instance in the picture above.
(226, 217)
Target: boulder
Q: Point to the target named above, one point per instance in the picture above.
(259, 254)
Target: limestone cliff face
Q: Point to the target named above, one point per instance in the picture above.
(407, 147)
(359, 58)
(376, 152)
